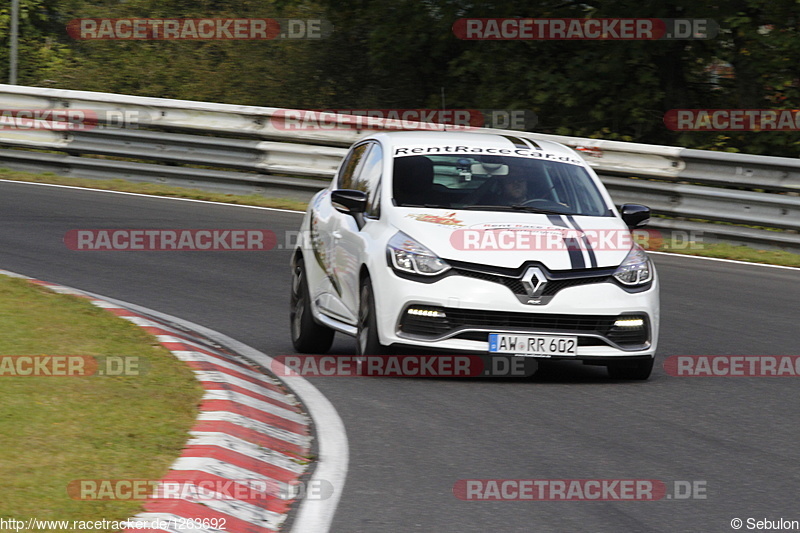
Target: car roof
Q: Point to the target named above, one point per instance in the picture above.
(484, 140)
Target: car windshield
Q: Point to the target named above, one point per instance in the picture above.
(495, 183)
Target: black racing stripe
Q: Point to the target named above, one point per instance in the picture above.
(573, 246)
(517, 142)
(531, 143)
(592, 256)
(521, 142)
(575, 253)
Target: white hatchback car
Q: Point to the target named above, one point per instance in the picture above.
(474, 243)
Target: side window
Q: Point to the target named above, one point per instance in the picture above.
(351, 165)
(369, 180)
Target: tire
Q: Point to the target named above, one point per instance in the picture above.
(307, 335)
(638, 370)
(367, 340)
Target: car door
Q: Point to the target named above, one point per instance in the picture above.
(327, 226)
(352, 244)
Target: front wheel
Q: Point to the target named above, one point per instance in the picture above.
(638, 370)
(367, 341)
(307, 335)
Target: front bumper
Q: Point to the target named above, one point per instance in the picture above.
(464, 311)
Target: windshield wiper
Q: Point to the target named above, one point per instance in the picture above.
(532, 209)
(486, 207)
(514, 207)
(432, 206)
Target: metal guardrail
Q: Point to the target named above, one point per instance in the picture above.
(244, 149)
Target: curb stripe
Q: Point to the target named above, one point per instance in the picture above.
(257, 491)
(247, 449)
(184, 345)
(223, 469)
(242, 461)
(203, 367)
(250, 385)
(282, 445)
(196, 356)
(268, 408)
(212, 418)
(251, 490)
(228, 406)
(222, 386)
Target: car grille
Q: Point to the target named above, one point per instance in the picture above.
(514, 283)
(451, 320)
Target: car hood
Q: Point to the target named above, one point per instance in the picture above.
(509, 239)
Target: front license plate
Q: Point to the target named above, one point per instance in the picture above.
(533, 345)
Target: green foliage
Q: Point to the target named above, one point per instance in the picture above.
(401, 53)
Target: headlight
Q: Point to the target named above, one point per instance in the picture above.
(407, 255)
(636, 269)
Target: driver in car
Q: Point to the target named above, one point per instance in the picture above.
(510, 185)
(513, 189)
(517, 186)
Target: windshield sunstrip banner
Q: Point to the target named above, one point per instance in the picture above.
(405, 151)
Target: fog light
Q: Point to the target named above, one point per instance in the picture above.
(427, 313)
(629, 323)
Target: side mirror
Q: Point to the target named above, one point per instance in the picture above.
(635, 215)
(349, 201)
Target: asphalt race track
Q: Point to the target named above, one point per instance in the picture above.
(412, 439)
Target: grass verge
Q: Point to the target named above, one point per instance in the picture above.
(58, 429)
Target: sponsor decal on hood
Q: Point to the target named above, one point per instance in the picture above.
(444, 220)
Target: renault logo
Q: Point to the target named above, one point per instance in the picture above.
(534, 281)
